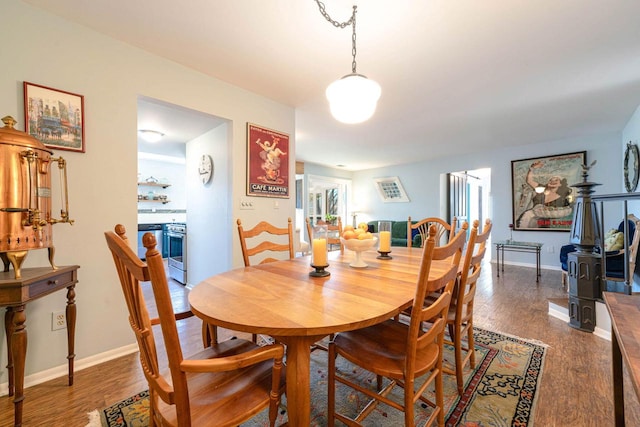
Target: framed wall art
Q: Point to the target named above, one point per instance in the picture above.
(55, 117)
(543, 196)
(267, 162)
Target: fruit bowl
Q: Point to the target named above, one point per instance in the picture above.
(358, 246)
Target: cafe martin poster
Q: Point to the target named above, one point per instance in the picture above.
(267, 162)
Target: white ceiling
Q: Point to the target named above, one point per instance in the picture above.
(456, 76)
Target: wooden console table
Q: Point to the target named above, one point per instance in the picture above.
(15, 294)
(625, 346)
(514, 246)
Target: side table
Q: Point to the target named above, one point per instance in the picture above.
(514, 246)
(15, 294)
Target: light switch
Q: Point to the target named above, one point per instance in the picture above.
(246, 204)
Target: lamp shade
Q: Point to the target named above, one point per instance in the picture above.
(353, 98)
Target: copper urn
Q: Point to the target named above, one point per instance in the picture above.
(25, 196)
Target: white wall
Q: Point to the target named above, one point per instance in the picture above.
(209, 221)
(50, 51)
(420, 181)
(631, 133)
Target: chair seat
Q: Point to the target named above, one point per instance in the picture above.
(243, 390)
(381, 349)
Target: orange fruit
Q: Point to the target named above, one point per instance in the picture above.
(349, 234)
(364, 226)
(348, 228)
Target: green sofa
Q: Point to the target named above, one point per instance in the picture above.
(398, 233)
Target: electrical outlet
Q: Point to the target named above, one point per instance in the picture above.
(58, 320)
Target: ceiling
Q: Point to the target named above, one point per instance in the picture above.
(457, 76)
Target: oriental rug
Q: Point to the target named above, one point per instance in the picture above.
(500, 391)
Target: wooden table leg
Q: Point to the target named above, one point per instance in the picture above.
(8, 328)
(298, 378)
(18, 349)
(71, 328)
(618, 381)
(538, 274)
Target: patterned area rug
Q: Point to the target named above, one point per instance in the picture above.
(500, 391)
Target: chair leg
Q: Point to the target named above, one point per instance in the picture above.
(458, 356)
(472, 345)
(439, 397)
(209, 335)
(409, 393)
(331, 383)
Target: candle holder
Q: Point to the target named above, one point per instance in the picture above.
(384, 239)
(319, 252)
(319, 271)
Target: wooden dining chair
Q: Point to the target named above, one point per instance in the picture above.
(263, 240)
(444, 230)
(460, 316)
(334, 232)
(228, 382)
(209, 332)
(266, 242)
(398, 351)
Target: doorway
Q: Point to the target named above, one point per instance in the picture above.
(468, 195)
(182, 198)
(327, 198)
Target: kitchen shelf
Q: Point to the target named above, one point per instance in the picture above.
(164, 202)
(153, 184)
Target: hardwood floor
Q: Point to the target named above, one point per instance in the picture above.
(576, 388)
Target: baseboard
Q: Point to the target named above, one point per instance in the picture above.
(602, 328)
(79, 364)
(559, 313)
(529, 265)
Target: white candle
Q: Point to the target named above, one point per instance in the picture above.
(319, 252)
(385, 241)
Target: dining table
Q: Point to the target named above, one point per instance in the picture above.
(282, 300)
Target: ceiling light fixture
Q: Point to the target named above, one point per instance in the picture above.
(353, 98)
(150, 135)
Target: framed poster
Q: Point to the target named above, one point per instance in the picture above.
(54, 117)
(543, 196)
(267, 162)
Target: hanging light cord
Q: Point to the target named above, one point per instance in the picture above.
(351, 21)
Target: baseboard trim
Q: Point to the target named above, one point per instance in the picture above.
(63, 370)
(529, 265)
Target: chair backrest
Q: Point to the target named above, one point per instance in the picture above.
(444, 230)
(334, 230)
(452, 252)
(470, 270)
(635, 242)
(132, 271)
(265, 245)
(435, 313)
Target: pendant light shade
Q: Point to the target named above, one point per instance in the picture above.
(353, 98)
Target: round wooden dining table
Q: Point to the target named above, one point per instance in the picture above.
(281, 300)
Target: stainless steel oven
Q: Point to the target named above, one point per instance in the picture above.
(177, 252)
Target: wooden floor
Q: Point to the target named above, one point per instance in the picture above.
(576, 388)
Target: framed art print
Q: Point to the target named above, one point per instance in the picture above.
(54, 117)
(542, 192)
(267, 162)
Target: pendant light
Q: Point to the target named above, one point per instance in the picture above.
(354, 97)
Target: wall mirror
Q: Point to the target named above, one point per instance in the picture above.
(631, 166)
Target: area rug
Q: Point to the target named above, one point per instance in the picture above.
(500, 391)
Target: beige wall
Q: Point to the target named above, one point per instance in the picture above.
(43, 49)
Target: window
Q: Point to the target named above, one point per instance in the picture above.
(391, 190)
